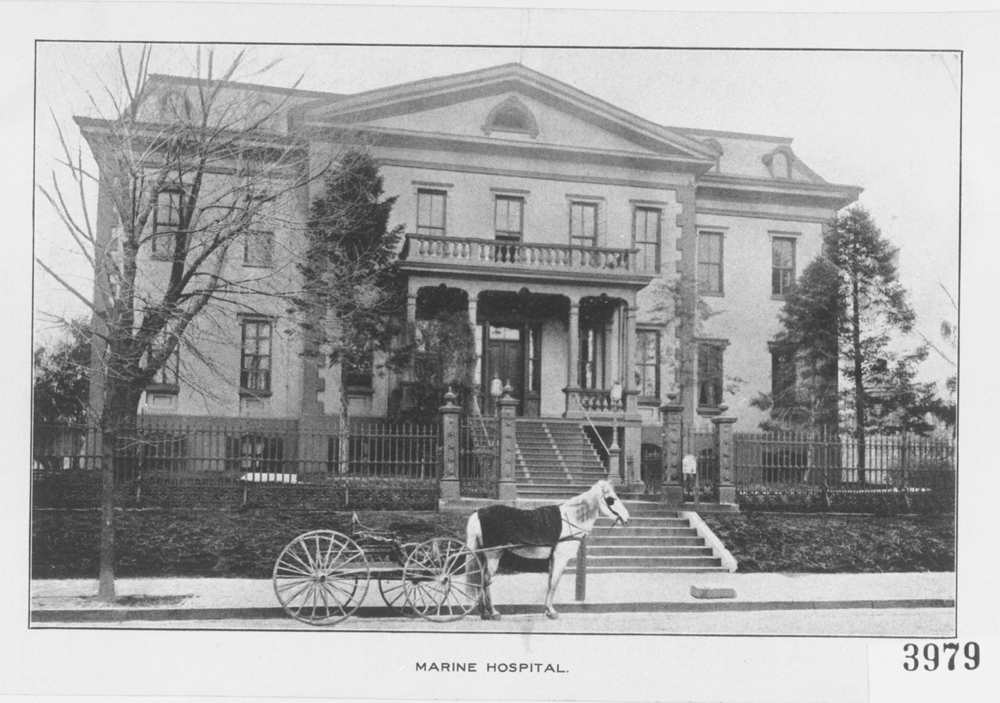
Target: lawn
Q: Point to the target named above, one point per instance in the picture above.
(825, 544)
(244, 544)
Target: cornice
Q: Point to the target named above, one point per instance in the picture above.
(521, 173)
(774, 191)
(488, 146)
(604, 282)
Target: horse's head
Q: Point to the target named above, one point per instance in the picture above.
(610, 504)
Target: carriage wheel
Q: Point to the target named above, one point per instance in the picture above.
(393, 592)
(321, 577)
(442, 580)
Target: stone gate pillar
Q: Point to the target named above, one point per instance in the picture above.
(508, 443)
(672, 479)
(726, 451)
(450, 486)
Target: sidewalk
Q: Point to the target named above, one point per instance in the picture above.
(74, 600)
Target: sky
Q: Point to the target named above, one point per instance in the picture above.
(886, 121)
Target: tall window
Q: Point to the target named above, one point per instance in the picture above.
(710, 263)
(782, 375)
(358, 374)
(166, 221)
(431, 212)
(647, 363)
(509, 218)
(583, 224)
(782, 264)
(592, 345)
(255, 357)
(169, 373)
(534, 359)
(508, 225)
(646, 236)
(258, 249)
(709, 374)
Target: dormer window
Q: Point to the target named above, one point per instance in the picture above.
(175, 106)
(513, 116)
(713, 144)
(779, 162)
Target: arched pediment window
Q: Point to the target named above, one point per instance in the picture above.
(511, 115)
(175, 106)
(779, 162)
(261, 116)
(713, 144)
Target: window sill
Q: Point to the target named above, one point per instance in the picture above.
(244, 393)
(777, 296)
(650, 400)
(710, 410)
(163, 388)
(360, 390)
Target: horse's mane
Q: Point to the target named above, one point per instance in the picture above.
(583, 507)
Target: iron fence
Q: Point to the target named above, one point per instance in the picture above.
(831, 471)
(478, 457)
(262, 463)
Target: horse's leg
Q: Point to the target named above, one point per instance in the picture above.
(479, 579)
(561, 555)
(492, 563)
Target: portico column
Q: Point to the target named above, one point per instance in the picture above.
(473, 309)
(573, 353)
(631, 312)
(411, 318)
(411, 308)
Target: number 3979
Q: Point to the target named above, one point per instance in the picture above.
(934, 656)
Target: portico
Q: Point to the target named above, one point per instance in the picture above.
(555, 322)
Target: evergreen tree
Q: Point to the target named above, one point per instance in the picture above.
(810, 347)
(352, 286)
(848, 310)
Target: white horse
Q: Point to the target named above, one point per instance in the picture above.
(578, 517)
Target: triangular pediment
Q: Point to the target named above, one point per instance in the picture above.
(507, 102)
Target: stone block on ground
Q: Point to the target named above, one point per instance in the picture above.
(710, 592)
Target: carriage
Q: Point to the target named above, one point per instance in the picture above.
(322, 577)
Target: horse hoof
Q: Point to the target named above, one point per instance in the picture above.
(496, 616)
(552, 615)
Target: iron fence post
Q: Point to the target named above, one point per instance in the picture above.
(724, 452)
(450, 487)
(672, 480)
(507, 436)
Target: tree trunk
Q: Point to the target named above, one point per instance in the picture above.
(860, 411)
(118, 423)
(106, 578)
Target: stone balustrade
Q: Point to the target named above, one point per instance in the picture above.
(494, 253)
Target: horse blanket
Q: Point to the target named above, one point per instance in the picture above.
(503, 525)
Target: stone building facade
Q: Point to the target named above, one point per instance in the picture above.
(590, 247)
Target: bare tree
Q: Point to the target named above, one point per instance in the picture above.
(185, 176)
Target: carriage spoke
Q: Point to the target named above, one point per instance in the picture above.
(291, 569)
(321, 577)
(293, 597)
(290, 582)
(310, 587)
(309, 569)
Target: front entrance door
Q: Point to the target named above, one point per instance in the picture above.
(505, 360)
